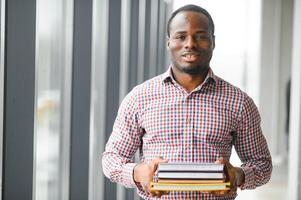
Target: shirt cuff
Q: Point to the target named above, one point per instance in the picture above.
(128, 175)
(249, 182)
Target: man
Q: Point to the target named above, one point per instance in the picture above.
(187, 114)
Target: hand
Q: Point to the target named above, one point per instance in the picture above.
(143, 174)
(234, 175)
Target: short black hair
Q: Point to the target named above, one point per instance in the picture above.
(193, 8)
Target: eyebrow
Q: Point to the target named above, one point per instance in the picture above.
(199, 31)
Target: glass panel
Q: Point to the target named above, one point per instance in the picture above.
(98, 97)
(2, 23)
(53, 88)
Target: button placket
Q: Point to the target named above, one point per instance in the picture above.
(188, 145)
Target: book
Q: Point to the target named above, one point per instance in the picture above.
(189, 187)
(190, 175)
(204, 167)
(189, 181)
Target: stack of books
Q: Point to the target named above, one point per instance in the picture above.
(190, 177)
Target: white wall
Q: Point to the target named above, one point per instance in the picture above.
(294, 192)
(274, 73)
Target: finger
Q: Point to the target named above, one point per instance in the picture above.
(164, 192)
(144, 187)
(158, 160)
(158, 193)
(155, 194)
(147, 188)
(154, 163)
(152, 194)
(219, 193)
(161, 193)
(220, 160)
(233, 191)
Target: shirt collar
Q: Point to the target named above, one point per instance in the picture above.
(167, 76)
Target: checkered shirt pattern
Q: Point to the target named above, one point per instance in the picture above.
(160, 118)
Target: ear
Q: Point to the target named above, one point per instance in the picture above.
(213, 41)
(167, 42)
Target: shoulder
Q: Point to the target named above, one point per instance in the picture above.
(150, 84)
(148, 88)
(229, 91)
(144, 91)
(234, 96)
(238, 101)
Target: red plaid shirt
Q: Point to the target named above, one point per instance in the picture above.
(160, 118)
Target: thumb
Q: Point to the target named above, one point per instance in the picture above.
(156, 161)
(220, 160)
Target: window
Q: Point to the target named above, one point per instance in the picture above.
(53, 83)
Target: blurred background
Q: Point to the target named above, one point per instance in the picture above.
(65, 65)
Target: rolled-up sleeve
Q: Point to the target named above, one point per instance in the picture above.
(252, 148)
(117, 159)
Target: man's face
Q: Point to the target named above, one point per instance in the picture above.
(191, 42)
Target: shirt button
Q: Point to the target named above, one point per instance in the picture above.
(188, 120)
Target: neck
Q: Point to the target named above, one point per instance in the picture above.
(189, 81)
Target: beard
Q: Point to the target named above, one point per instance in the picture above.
(192, 68)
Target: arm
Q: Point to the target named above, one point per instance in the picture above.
(123, 143)
(252, 148)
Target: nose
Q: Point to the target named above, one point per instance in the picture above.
(190, 43)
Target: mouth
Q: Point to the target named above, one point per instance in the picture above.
(190, 57)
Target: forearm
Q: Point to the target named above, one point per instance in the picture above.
(123, 143)
(118, 169)
(252, 148)
(256, 173)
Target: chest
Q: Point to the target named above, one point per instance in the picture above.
(177, 120)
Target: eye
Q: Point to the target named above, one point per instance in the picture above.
(201, 37)
(180, 37)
